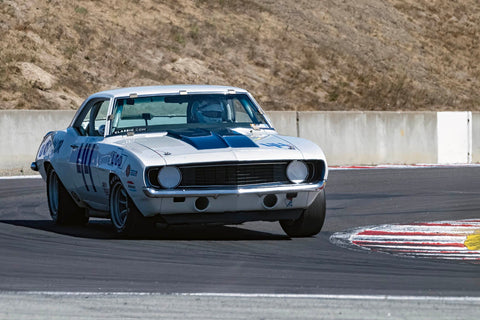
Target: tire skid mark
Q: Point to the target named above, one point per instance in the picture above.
(449, 240)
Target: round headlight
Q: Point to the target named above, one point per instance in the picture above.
(297, 171)
(169, 177)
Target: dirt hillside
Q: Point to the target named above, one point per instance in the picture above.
(291, 54)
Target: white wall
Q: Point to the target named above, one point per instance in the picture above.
(475, 128)
(347, 138)
(454, 134)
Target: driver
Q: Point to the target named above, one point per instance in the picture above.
(209, 111)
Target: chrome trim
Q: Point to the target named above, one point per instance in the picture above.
(260, 190)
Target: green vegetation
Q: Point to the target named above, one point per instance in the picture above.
(81, 10)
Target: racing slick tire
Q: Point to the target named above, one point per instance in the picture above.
(310, 222)
(63, 209)
(126, 218)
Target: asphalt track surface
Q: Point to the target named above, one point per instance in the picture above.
(253, 258)
(250, 258)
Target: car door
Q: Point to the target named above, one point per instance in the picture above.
(89, 130)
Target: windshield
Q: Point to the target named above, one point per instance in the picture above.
(163, 113)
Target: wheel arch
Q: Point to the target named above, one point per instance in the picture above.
(112, 177)
(48, 166)
(134, 196)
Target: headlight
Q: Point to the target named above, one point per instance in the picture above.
(297, 171)
(169, 177)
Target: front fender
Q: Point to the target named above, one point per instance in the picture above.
(129, 168)
(309, 150)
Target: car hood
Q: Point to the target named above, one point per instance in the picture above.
(201, 145)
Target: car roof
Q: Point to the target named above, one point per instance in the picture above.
(170, 89)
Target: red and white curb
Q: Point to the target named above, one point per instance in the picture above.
(450, 240)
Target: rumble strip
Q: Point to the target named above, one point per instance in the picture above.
(448, 240)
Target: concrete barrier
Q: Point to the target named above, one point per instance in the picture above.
(285, 122)
(348, 138)
(21, 132)
(372, 137)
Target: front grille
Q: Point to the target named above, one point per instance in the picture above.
(233, 174)
(236, 174)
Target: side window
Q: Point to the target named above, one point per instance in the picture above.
(92, 121)
(85, 124)
(101, 117)
(241, 114)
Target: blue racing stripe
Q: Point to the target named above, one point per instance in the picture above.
(81, 163)
(79, 167)
(239, 141)
(202, 139)
(85, 158)
(90, 167)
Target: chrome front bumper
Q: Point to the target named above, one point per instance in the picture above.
(215, 192)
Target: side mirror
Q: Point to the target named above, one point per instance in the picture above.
(101, 130)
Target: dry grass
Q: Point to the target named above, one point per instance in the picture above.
(292, 55)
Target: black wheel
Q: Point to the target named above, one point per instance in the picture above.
(126, 218)
(310, 222)
(63, 208)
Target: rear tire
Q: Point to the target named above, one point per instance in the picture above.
(63, 208)
(126, 218)
(310, 222)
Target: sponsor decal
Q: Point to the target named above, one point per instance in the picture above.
(131, 186)
(51, 144)
(116, 159)
(130, 172)
(47, 147)
(279, 145)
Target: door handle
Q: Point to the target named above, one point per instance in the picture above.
(74, 146)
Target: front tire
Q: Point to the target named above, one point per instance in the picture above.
(310, 222)
(126, 218)
(63, 208)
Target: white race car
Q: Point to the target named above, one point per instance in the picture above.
(181, 155)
